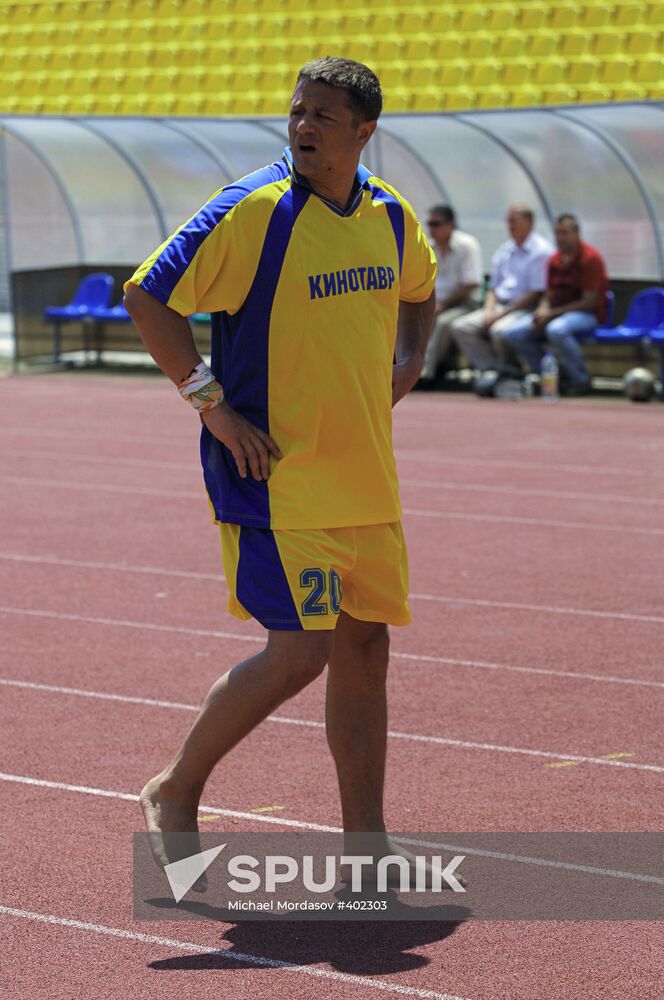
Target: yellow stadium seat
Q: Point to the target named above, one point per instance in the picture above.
(593, 93)
(655, 14)
(559, 94)
(642, 42)
(421, 74)
(443, 20)
(412, 22)
(459, 99)
(511, 45)
(549, 72)
(628, 15)
(650, 70)
(616, 71)
(582, 71)
(607, 43)
(394, 74)
(517, 73)
(526, 96)
(501, 18)
(399, 99)
(596, 16)
(542, 46)
(454, 74)
(575, 43)
(533, 16)
(492, 97)
(630, 92)
(485, 73)
(472, 18)
(386, 23)
(480, 45)
(418, 47)
(389, 48)
(565, 16)
(427, 99)
(656, 93)
(448, 46)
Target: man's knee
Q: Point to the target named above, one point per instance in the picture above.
(366, 643)
(300, 656)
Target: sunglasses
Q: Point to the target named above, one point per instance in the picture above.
(435, 223)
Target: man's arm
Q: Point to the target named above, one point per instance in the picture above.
(168, 338)
(413, 332)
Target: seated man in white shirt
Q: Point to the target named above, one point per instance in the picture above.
(518, 280)
(459, 280)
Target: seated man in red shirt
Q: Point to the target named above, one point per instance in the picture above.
(574, 303)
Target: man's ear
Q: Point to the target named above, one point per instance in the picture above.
(365, 131)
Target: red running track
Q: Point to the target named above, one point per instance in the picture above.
(527, 694)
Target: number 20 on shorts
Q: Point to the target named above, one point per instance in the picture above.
(315, 603)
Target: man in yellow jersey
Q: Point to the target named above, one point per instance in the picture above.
(320, 285)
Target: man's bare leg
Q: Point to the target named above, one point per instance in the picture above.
(235, 704)
(356, 720)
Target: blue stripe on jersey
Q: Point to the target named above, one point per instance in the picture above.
(175, 258)
(396, 217)
(240, 361)
(261, 585)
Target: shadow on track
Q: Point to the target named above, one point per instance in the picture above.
(376, 947)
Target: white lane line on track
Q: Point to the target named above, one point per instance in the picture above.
(514, 491)
(440, 484)
(410, 455)
(538, 522)
(410, 511)
(547, 608)
(319, 828)
(314, 724)
(230, 955)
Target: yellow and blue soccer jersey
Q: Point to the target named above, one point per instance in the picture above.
(304, 300)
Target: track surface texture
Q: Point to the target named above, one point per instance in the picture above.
(527, 695)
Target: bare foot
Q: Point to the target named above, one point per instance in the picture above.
(382, 847)
(169, 815)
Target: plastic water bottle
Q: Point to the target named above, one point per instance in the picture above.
(549, 381)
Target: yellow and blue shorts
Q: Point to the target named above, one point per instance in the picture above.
(294, 580)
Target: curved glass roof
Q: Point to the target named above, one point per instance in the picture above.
(99, 191)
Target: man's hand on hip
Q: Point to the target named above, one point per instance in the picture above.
(248, 444)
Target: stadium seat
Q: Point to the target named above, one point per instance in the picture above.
(511, 45)
(565, 16)
(484, 73)
(607, 43)
(616, 71)
(460, 99)
(526, 96)
(628, 15)
(517, 73)
(480, 45)
(549, 72)
(645, 315)
(649, 70)
(655, 14)
(542, 46)
(501, 18)
(533, 15)
(492, 97)
(642, 42)
(94, 292)
(583, 71)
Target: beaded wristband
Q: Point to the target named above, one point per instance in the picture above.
(201, 388)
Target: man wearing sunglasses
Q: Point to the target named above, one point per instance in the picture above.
(459, 280)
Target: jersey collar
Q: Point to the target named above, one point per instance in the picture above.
(360, 184)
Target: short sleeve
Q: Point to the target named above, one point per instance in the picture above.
(209, 263)
(418, 272)
(592, 277)
(538, 271)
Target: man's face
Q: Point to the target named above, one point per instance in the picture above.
(518, 225)
(325, 137)
(439, 229)
(567, 237)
